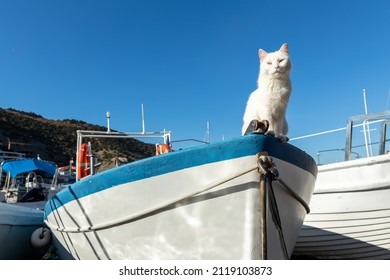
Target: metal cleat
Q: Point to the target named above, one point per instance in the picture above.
(257, 126)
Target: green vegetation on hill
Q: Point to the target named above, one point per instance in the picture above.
(55, 140)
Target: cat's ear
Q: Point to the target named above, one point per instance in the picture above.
(284, 48)
(262, 54)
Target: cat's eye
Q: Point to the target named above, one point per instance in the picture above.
(280, 60)
(269, 62)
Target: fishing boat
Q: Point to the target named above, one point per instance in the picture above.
(242, 198)
(350, 209)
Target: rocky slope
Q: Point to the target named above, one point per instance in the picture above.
(55, 140)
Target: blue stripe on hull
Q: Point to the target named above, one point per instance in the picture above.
(178, 160)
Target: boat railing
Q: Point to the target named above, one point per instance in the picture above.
(33, 180)
(109, 133)
(165, 135)
(7, 155)
(81, 134)
(364, 136)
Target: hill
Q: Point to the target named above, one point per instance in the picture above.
(55, 140)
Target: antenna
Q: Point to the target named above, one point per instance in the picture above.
(143, 119)
(108, 122)
(365, 101)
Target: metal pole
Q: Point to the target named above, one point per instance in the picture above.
(263, 218)
(143, 119)
(348, 140)
(382, 144)
(366, 128)
(79, 141)
(108, 122)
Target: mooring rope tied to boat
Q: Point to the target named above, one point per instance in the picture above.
(269, 173)
(273, 207)
(268, 168)
(127, 219)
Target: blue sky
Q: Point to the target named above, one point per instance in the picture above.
(192, 61)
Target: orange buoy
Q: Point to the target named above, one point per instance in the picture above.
(162, 149)
(83, 161)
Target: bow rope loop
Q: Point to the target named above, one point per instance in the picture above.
(270, 173)
(268, 168)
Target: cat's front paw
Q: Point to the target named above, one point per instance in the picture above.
(283, 138)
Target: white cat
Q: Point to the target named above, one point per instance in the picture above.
(269, 101)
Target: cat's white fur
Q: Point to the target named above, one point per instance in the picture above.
(269, 101)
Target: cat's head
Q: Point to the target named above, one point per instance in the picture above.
(276, 63)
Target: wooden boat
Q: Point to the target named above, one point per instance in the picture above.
(350, 209)
(243, 198)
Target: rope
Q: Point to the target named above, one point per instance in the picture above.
(152, 210)
(268, 169)
(276, 216)
(295, 195)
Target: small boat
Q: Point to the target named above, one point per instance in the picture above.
(243, 198)
(23, 197)
(350, 208)
(27, 180)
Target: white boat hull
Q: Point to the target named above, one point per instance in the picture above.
(198, 212)
(350, 212)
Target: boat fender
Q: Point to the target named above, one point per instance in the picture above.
(41, 238)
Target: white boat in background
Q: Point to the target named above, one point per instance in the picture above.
(205, 202)
(350, 208)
